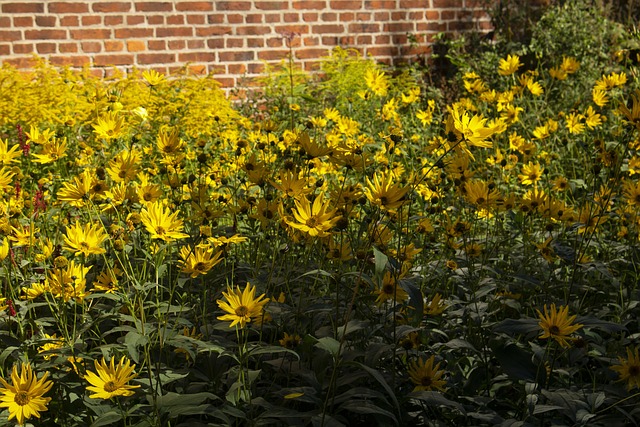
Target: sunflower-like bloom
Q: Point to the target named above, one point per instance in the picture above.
(24, 396)
(470, 128)
(169, 141)
(109, 126)
(557, 324)
(531, 173)
(384, 193)
(389, 290)
(629, 368)
(509, 66)
(633, 114)
(8, 155)
(68, 281)
(52, 151)
(377, 82)
(199, 260)
(241, 306)
(85, 239)
(162, 224)
(426, 376)
(316, 219)
(153, 78)
(110, 380)
(76, 193)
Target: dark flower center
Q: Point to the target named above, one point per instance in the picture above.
(21, 398)
(242, 311)
(110, 386)
(554, 330)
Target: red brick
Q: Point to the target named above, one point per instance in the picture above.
(384, 4)
(91, 47)
(447, 15)
(20, 63)
(155, 20)
(328, 29)
(133, 33)
(69, 21)
(275, 42)
(381, 16)
(195, 19)
(156, 58)
(215, 19)
(364, 28)
(310, 17)
(414, 4)
(174, 32)
(235, 19)
(10, 36)
(459, 26)
(364, 40)
(234, 43)
(255, 18)
(135, 20)
(363, 16)
(46, 48)
(233, 5)
(154, 7)
(215, 43)
(46, 21)
(236, 68)
(5, 49)
(291, 17)
(236, 56)
(195, 44)
(73, 61)
(157, 45)
(346, 4)
(176, 44)
(399, 27)
(272, 55)
(45, 34)
(23, 21)
(271, 5)
(108, 60)
(329, 17)
(270, 18)
(99, 34)
(292, 29)
(442, 4)
(311, 53)
(112, 7)
(255, 43)
(347, 17)
(383, 51)
(309, 4)
(67, 7)
(432, 15)
(23, 7)
(197, 57)
(195, 6)
(5, 22)
(91, 20)
(198, 69)
(111, 20)
(256, 68)
(113, 45)
(68, 47)
(311, 41)
(22, 48)
(213, 31)
(252, 30)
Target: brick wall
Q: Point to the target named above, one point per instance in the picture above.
(227, 38)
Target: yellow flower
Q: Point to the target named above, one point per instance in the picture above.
(290, 341)
(24, 396)
(390, 291)
(600, 97)
(160, 223)
(76, 193)
(109, 126)
(153, 78)
(52, 151)
(470, 128)
(531, 173)
(110, 380)
(574, 123)
(557, 324)
(8, 155)
(85, 240)
(67, 281)
(435, 307)
(384, 193)
(510, 65)
(629, 368)
(169, 141)
(241, 306)
(198, 261)
(426, 376)
(315, 220)
(376, 81)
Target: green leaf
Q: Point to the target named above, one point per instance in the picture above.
(380, 261)
(107, 419)
(516, 362)
(436, 399)
(330, 345)
(133, 340)
(351, 326)
(378, 377)
(366, 407)
(541, 409)
(271, 349)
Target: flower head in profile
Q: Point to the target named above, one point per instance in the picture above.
(629, 368)
(153, 78)
(199, 260)
(426, 376)
(24, 396)
(241, 307)
(557, 324)
(314, 219)
(85, 239)
(383, 192)
(161, 223)
(110, 380)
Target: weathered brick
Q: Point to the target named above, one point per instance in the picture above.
(10, 35)
(93, 34)
(111, 7)
(327, 29)
(197, 57)
(153, 6)
(271, 5)
(364, 28)
(255, 43)
(113, 45)
(72, 61)
(194, 6)
(233, 5)
(236, 56)
(273, 55)
(20, 63)
(69, 21)
(235, 19)
(442, 4)
(237, 68)
(364, 40)
(67, 7)
(177, 44)
(346, 4)
(23, 7)
(271, 18)
(310, 17)
(174, 32)
(133, 33)
(45, 34)
(311, 53)
(68, 47)
(155, 20)
(291, 17)
(157, 45)
(198, 69)
(217, 43)
(156, 58)
(112, 20)
(310, 4)
(113, 59)
(89, 20)
(292, 29)
(135, 20)
(46, 21)
(217, 18)
(252, 30)
(5, 49)
(5, 22)
(91, 47)
(213, 31)
(414, 4)
(234, 43)
(175, 19)
(195, 19)
(329, 17)
(384, 4)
